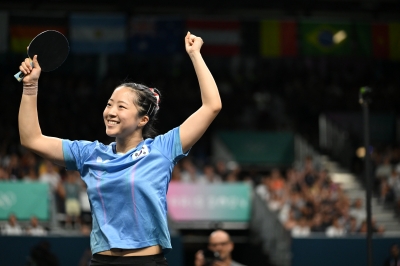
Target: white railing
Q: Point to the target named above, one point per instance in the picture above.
(335, 141)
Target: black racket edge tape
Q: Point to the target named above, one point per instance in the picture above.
(52, 49)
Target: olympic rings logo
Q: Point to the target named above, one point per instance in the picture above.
(7, 199)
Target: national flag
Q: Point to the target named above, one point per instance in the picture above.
(325, 38)
(386, 40)
(23, 28)
(156, 35)
(380, 40)
(3, 31)
(221, 37)
(278, 38)
(98, 33)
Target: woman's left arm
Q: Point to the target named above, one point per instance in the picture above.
(195, 125)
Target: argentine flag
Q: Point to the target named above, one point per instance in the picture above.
(98, 33)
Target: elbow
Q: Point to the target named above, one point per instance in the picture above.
(27, 143)
(217, 107)
(24, 143)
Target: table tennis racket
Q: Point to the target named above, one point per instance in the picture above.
(51, 48)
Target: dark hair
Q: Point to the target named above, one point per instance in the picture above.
(147, 104)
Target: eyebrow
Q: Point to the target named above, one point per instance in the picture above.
(118, 101)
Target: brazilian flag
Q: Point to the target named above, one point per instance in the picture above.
(319, 38)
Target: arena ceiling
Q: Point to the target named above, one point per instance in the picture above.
(279, 8)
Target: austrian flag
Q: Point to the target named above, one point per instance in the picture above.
(221, 37)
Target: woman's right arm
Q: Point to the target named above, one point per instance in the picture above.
(29, 129)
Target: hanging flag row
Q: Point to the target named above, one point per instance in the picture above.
(113, 33)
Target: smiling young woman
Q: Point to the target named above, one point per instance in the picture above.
(127, 179)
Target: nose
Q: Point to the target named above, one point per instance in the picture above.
(111, 112)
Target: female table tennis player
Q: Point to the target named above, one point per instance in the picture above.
(127, 180)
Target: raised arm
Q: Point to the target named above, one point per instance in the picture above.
(29, 129)
(194, 127)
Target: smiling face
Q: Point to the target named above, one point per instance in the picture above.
(121, 115)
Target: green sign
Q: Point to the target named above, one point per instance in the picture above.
(24, 200)
(260, 148)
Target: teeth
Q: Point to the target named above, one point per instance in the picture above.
(112, 122)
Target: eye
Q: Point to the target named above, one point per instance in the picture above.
(108, 104)
(121, 106)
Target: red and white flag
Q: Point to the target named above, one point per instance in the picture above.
(221, 37)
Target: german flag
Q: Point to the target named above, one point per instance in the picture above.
(23, 28)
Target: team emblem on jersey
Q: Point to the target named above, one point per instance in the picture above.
(140, 153)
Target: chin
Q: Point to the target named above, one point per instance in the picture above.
(111, 134)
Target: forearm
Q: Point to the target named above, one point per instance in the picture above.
(28, 121)
(209, 91)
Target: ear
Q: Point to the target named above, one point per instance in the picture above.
(143, 121)
(231, 246)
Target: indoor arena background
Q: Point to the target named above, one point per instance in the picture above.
(282, 166)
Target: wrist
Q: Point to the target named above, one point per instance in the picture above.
(30, 88)
(194, 54)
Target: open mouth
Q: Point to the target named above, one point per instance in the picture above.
(112, 123)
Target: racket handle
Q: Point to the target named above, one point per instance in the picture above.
(19, 76)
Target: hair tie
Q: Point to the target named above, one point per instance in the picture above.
(155, 94)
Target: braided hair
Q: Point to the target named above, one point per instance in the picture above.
(147, 102)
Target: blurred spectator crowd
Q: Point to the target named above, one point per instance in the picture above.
(68, 199)
(386, 167)
(306, 200)
(257, 94)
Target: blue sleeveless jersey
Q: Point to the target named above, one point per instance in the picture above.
(127, 192)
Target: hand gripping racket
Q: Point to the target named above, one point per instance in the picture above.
(51, 48)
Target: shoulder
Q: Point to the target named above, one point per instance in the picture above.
(86, 145)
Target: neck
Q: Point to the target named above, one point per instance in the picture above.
(125, 144)
(228, 260)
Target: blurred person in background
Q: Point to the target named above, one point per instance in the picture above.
(277, 183)
(290, 222)
(4, 176)
(336, 229)
(394, 257)
(30, 175)
(128, 179)
(221, 169)
(12, 228)
(302, 228)
(50, 176)
(13, 167)
(48, 173)
(220, 243)
(263, 189)
(41, 254)
(189, 172)
(34, 228)
(357, 211)
(71, 191)
(316, 224)
(209, 176)
(351, 227)
(382, 172)
(276, 201)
